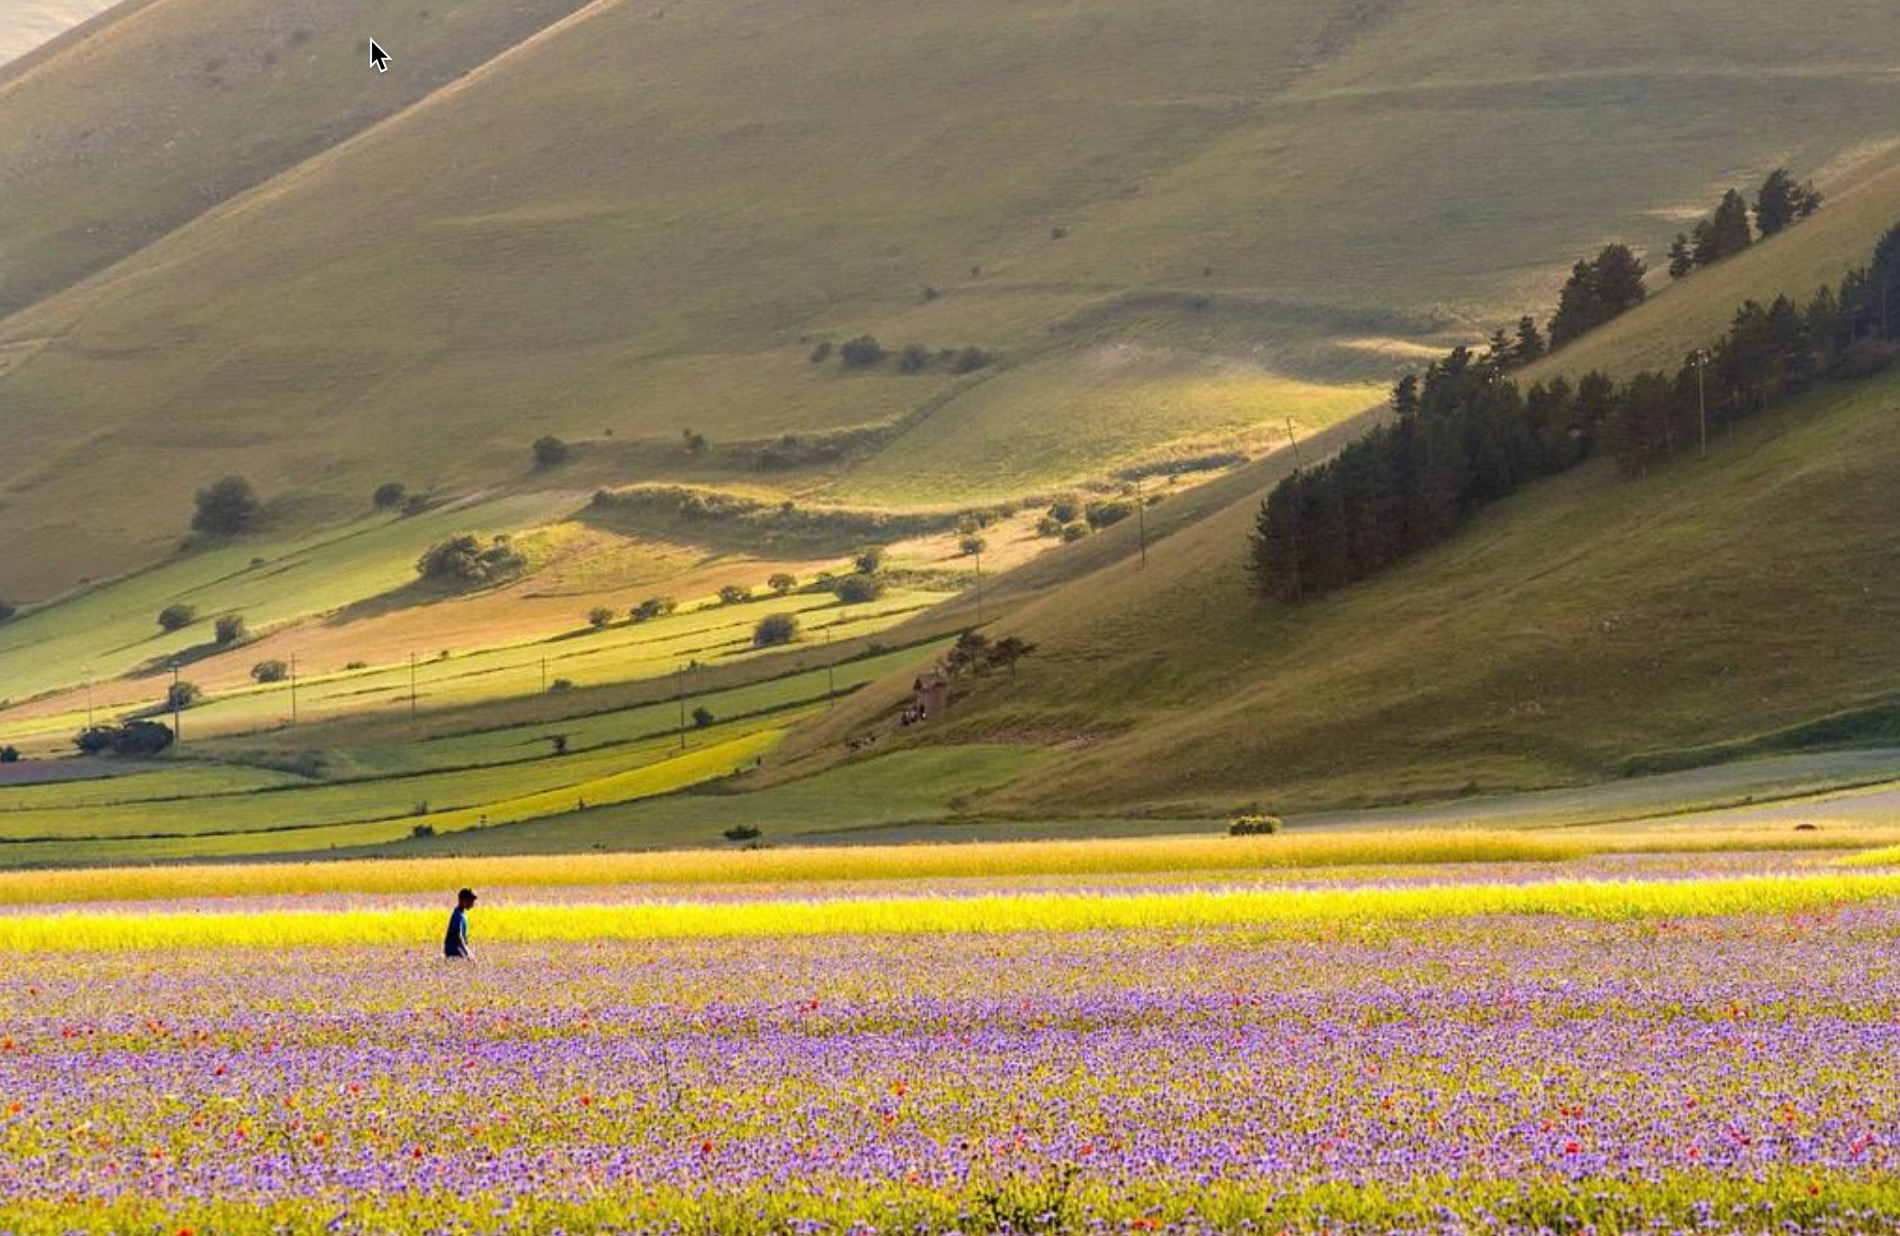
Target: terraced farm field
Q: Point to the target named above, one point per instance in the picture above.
(1497, 1033)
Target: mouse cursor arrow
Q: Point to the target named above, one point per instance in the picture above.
(378, 57)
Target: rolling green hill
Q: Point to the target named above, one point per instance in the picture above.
(1585, 628)
(640, 218)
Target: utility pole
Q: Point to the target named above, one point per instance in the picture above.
(1293, 441)
(293, 688)
(1141, 521)
(544, 675)
(178, 726)
(1702, 395)
(412, 687)
(680, 694)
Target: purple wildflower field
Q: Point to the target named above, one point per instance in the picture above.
(1483, 1074)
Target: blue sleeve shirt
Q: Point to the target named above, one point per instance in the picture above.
(455, 944)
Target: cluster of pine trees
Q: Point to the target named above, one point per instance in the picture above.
(1779, 204)
(1466, 436)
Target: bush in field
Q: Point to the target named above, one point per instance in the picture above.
(181, 695)
(733, 594)
(1074, 532)
(1103, 514)
(653, 607)
(463, 560)
(1066, 509)
(228, 507)
(1048, 525)
(972, 544)
(561, 684)
(702, 717)
(775, 629)
(821, 352)
(599, 617)
(858, 589)
(861, 353)
(229, 629)
(9, 755)
(270, 671)
(969, 360)
(782, 583)
(132, 738)
(389, 495)
(694, 442)
(177, 617)
(869, 560)
(1254, 824)
(742, 832)
(913, 358)
(550, 452)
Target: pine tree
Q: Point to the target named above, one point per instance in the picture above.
(1578, 309)
(1775, 202)
(1279, 531)
(1530, 341)
(1729, 230)
(1681, 257)
(1405, 395)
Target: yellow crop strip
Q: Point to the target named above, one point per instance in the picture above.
(968, 860)
(924, 915)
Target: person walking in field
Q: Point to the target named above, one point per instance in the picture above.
(455, 944)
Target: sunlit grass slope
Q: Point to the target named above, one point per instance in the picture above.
(1702, 612)
(162, 111)
(642, 221)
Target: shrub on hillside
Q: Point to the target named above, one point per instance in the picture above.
(599, 616)
(913, 358)
(1103, 514)
(182, 695)
(1254, 824)
(463, 560)
(821, 352)
(549, 452)
(969, 360)
(1066, 509)
(228, 507)
(782, 583)
(775, 629)
(869, 560)
(270, 671)
(230, 629)
(389, 495)
(703, 717)
(971, 544)
(9, 755)
(733, 594)
(742, 832)
(858, 589)
(653, 607)
(177, 616)
(1074, 532)
(132, 738)
(861, 353)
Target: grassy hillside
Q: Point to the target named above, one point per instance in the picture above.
(113, 137)
(28, 24)
(1585, 628)
(642, 219)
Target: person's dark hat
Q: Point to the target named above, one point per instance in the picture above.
(467, 894)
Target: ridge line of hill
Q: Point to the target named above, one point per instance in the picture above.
(27, 65)
(55, 306)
